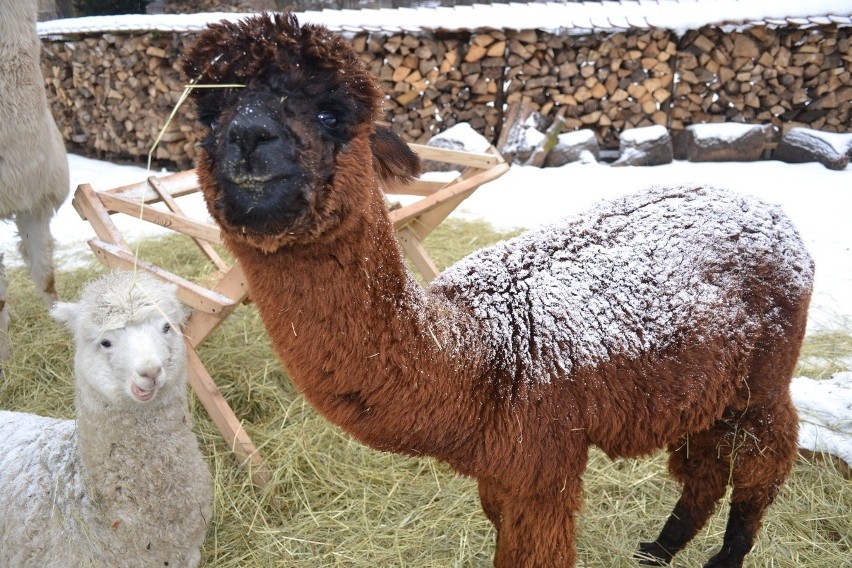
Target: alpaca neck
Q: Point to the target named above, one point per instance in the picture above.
(116, 444)
(369, 348)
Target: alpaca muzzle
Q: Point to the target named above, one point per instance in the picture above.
(262, 181)
(255, 149)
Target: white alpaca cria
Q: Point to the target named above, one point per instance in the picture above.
(33, 164)
(125, 483)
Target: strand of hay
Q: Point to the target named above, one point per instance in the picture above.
(333, 502)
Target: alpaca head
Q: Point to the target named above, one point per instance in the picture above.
(290, 148)
(129, 349)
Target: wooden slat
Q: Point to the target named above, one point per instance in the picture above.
(417, 187)
(201, 324)
(191, 294)
(404, 215)
(177, 185)
(418, 255)
(178, 223)
(480, 160)
(88, 205)
(225, 419)
(173, 206)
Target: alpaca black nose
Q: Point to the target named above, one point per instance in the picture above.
(248, 131)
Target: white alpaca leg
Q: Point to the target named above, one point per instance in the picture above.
(5, 351)
(36, 248)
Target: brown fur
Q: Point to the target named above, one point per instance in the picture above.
(421, 372)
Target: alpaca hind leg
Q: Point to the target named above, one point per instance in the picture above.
(5, 350)
(36, 248)
(537, 531)
(695, 463)
(763, 449)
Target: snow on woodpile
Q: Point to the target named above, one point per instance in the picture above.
(798, 145)
(646, 146)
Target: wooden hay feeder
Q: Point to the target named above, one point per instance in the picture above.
(212, 304)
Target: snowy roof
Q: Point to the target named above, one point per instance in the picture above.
(575, 17)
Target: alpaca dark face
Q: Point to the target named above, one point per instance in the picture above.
(296, 102)
(272, 152)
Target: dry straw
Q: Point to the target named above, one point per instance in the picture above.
(333, 502)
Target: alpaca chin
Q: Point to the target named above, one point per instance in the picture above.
(270, 207)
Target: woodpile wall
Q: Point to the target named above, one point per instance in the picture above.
(111, 94)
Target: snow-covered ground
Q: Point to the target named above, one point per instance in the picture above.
(818, 200)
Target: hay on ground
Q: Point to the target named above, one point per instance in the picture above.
(334, 502)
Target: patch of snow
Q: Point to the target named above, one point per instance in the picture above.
(576, 17)
(825, 414)
(723, 131)
(587, 157)
(463, 133)
(533, 138)
(577, 137)
(841, 143)
(645, 134)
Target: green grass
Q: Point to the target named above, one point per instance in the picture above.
(334, 502)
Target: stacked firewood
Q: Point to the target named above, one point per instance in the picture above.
(112, 94)
(796, 77)
(183, 7)
(436, 81)
(604, 82)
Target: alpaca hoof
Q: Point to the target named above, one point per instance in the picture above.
(725, 559)
(653, 554)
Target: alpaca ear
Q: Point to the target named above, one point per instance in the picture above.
(393, 160)
(66, 314)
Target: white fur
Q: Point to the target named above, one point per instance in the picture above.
(125, 483)
(33, 164)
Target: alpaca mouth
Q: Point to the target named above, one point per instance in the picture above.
(255, 183)
(142, 395)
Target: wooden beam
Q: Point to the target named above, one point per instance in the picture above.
(417, 187)
(481, 160)
(191, 294)
(177, 185)
(178, 223)
(465, 187)
(88, 205)
(173, 206)
(202, 324)
(224, 418)
(418, 255)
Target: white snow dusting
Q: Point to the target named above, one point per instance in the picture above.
(722, 131)
(627, 279)
(638, 136)
(840, 143)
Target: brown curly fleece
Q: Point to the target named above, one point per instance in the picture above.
(668, 319)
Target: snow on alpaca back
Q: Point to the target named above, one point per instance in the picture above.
(627, 278)
(127, 332)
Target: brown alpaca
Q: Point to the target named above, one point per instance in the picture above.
(669, 319)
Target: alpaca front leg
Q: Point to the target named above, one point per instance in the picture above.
(538, 531)
(36, 248)
(5, 350)
(491, 498)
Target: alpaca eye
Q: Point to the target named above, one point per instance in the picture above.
(166, 327)
(106, 343)
(327, 119)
